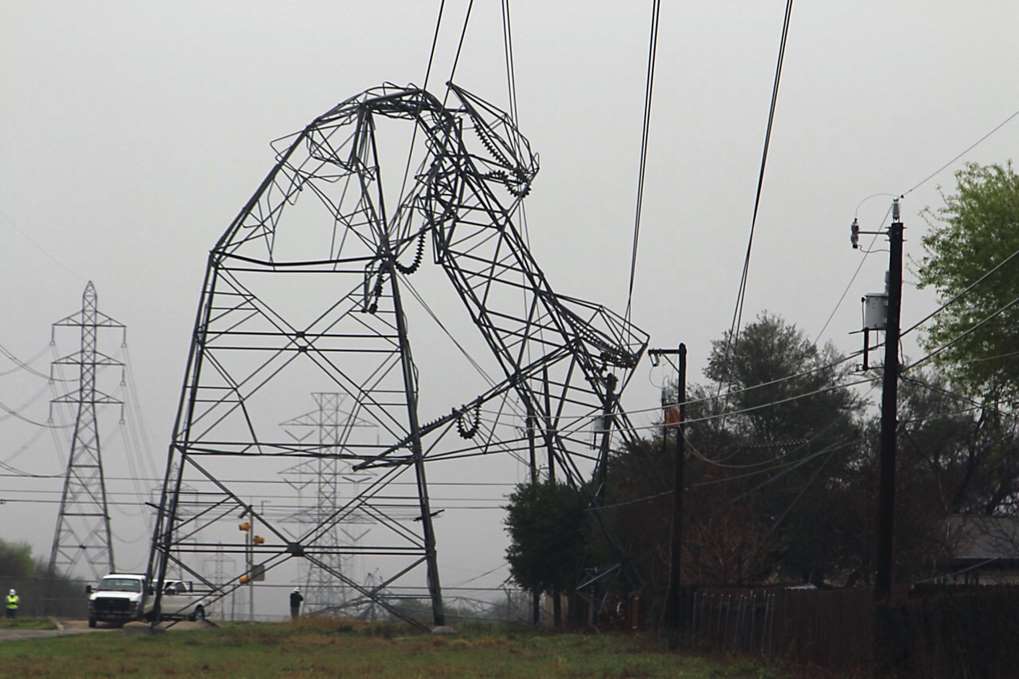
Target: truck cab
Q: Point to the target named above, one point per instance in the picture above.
(118, 598)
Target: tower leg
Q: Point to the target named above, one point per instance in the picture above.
(410, 387)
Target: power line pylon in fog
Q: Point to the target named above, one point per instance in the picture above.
(82, 532)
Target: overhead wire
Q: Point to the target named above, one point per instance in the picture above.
(955, 298)
(905, 193)
(11, 412)
(26, 365)
(264, 481)
(959, 155)
(459, 48)
(852, 279)
(770, 404)
(737, 316)
(414, 133)
(31, 400)
(979, 324)
(514, 113)
(20, 365)
(656, 7)
(733, 392)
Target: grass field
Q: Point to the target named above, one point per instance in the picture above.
(333, 650)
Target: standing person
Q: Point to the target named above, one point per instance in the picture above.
(295, 603)
(12, 604)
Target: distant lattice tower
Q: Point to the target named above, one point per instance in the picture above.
(82, 532)
(331, 427)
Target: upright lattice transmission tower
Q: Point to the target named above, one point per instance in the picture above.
(331, 427)
(82, 533)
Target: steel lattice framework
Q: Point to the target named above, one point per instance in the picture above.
(82, 532)
(273, 315)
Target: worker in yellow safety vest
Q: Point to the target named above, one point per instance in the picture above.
(12, 604)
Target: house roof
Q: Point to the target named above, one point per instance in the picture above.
(983, 537)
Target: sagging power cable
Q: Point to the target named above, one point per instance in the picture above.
(737, 314)
(649, 84)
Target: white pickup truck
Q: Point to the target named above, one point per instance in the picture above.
(123, 597)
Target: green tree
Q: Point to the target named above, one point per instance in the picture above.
(800, 434)
(550, 536)
(765, 486)
(975, 230)
(15, 559)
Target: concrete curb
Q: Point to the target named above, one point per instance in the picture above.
(56, 623)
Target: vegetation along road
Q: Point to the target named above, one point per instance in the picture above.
(332, 649)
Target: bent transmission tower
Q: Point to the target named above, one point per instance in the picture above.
(83, 534)
(305, 292)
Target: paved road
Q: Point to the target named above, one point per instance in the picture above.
(69, 627)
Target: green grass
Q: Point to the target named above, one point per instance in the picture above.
(324, 649)
(27, 623)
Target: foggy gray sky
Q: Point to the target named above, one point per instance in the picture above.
(131, 134)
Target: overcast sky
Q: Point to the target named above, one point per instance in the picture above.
(131, 134)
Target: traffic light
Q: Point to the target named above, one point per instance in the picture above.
(854, 233)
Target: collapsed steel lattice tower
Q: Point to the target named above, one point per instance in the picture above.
(82, 532)
(563, 361)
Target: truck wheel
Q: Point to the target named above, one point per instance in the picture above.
(91, 621)
(199, 614)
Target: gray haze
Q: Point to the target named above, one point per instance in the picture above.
(132, 133)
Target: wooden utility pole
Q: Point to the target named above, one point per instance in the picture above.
(887, 654)
(884, 629)
(673, 608)
(889, 421)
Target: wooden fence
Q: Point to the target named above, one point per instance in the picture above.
(939, 633)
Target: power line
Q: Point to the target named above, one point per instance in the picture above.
(18, 364)
(737, 316)
(11, 412)
(959, 155)
(459, 47)
(961, 294)
(828, 450)
(934, 353)
(26, 367)
(770, 404)
(656, 7)
(127, 503)
(852, 279)
(154, 479)
(197, 493)
(903, 195)
(478, 577)
(414, 134)
(733, 392)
